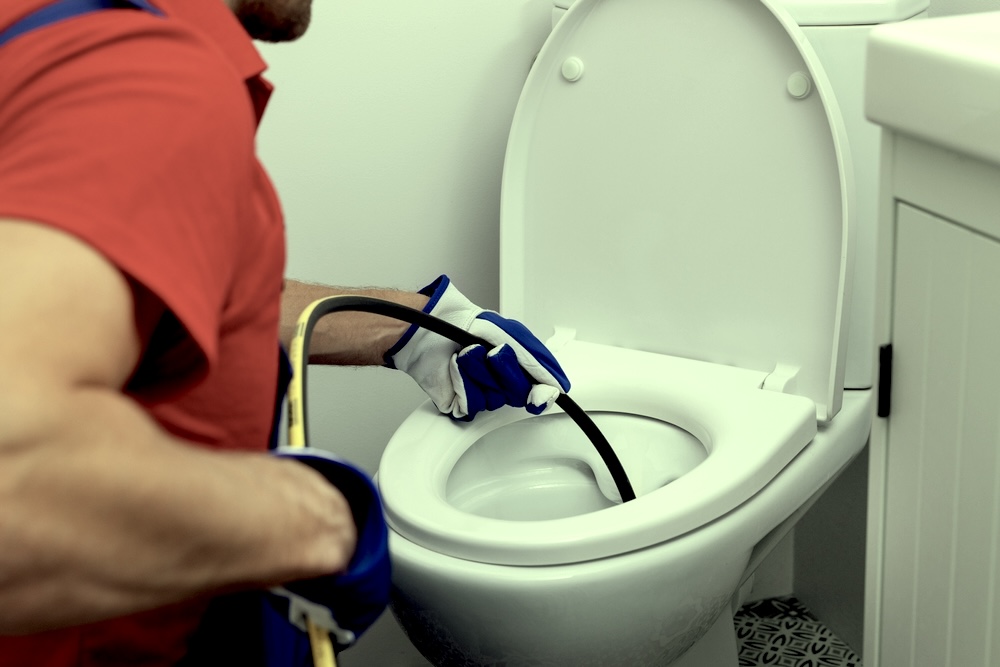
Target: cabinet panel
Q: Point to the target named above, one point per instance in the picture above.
(941, 596)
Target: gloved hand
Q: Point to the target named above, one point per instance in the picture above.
(518, 371)
(344, 604)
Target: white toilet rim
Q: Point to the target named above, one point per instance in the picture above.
(750, 434)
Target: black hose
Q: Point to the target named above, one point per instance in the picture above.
(463, 338)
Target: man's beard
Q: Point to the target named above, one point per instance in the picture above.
(274, 20)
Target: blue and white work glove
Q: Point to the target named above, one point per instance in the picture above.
(344, 604)
(518, 371)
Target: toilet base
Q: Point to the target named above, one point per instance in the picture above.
(717, 648)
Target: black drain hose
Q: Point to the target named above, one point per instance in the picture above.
(464, 338)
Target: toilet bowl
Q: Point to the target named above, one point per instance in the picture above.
(668, 604)
(677, 210)
(695, 439)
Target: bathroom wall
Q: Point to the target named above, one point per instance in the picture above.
(385, 140)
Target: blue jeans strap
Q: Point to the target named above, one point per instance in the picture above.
(66, 9)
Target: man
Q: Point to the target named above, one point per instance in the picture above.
(141, 261)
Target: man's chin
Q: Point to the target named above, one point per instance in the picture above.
(263, 24)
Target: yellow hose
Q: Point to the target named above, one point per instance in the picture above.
(319, 640)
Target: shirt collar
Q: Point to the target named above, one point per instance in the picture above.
(218, 23)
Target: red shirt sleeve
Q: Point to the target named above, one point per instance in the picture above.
(133, 134)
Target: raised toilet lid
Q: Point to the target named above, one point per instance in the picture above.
(677, 181)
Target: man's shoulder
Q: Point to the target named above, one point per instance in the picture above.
(162, 39)
(125, 58)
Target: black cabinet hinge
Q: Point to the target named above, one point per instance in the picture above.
(884, 379)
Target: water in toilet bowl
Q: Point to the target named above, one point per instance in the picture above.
(540, 468)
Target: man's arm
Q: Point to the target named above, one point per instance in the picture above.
(345, 338)
(103, 513)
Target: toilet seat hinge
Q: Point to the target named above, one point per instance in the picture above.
(560, 337)
(782, 379)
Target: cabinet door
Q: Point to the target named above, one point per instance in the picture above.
(941, 595)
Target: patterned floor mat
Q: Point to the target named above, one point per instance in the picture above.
(781, 632)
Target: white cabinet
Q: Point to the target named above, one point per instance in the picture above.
(941, 572)
(933, 548)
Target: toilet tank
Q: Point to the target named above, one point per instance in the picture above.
(830, 12)
(838, 32)
(851, 12)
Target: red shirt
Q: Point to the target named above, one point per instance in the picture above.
(135, 133)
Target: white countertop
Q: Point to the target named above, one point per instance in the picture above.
(939, 80)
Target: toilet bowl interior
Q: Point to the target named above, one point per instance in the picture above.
(542, 468)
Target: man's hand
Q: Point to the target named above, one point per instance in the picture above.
(518, 370)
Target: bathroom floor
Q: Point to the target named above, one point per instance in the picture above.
(781, 632)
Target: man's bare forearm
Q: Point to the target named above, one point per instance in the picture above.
(103, 514)
(347, 338)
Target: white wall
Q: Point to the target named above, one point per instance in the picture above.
(385, 140)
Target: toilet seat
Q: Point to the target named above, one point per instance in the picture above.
(719, 405)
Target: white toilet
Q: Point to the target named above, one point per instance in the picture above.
(679, 210)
